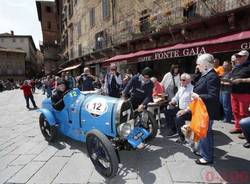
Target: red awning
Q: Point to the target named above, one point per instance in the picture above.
(222, 42)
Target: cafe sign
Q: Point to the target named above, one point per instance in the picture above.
(245, 45)
(174, 54)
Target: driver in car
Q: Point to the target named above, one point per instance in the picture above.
(58, 93)
(140, 89)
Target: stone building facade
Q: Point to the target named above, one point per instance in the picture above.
(12, 64)
(94, 30)
(49, 17)
(23, 43)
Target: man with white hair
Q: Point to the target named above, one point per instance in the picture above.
(180, 101)
(240, 77)
(208, 89)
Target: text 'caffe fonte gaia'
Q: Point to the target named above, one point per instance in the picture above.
(174, 54)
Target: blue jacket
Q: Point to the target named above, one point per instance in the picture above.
(208, 88)
(116, 89)
(86, 83)
(139, 90)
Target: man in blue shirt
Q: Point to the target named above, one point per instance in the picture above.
(141, 89)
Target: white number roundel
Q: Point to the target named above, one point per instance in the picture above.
(97, 106)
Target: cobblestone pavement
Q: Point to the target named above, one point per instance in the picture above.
(25, 157)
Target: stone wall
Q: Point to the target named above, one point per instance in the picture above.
(125, 20)
(12, 64)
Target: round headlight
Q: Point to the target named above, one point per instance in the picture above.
(124, 129)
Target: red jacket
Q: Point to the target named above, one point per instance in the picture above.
(158, 89)
(26, 90)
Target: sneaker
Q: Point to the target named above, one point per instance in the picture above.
(241, 136)
(235, 131)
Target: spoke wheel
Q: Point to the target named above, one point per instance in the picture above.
(102, 153)
(150, 124)
(48, 131)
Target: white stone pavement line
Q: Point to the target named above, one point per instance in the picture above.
(168, 169)
(21, 170)
(8, 140)
(5, 177)
(8, 152)
(37, 169)
(9, 164)
(22, 173)
(33, 160)
(61, 168)
(8, 144)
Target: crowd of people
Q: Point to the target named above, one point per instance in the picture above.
(8, 84)
(224, 89)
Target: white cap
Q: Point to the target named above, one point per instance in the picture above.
(243, 53)
(233, 58)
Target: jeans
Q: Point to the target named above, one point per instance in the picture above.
(32, 100)
(180, 121)
(225, 100)
(245, 126)
(170, 115)
(206, 145)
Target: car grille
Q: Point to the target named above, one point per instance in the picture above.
(126, 112)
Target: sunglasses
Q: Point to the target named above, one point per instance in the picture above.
(182, 79)
(238, 56)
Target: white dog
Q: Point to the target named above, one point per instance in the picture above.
(189, 136)
(188, 133)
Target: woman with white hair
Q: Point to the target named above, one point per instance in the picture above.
(158, 90)
(208, 89)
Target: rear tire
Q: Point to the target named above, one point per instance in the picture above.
(102, 153)
(49, 132)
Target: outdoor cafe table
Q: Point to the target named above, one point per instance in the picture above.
(157, 105)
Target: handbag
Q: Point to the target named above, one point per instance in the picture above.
(200, 119)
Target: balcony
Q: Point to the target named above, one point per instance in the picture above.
(101, 40)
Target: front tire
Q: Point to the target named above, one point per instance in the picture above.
(151, 125)
(102, 153)
(49, 132)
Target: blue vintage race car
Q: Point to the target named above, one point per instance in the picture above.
(106, 124)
